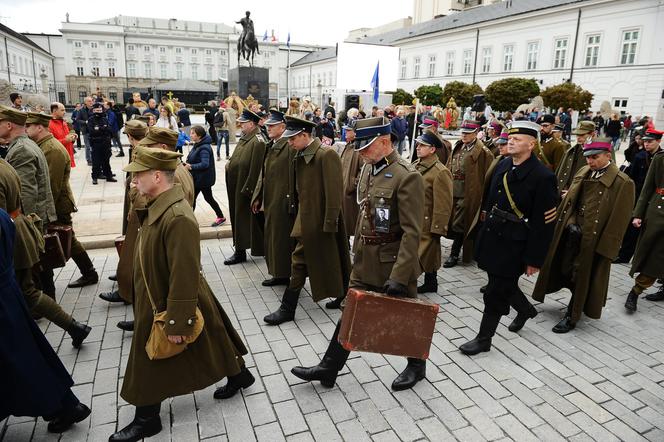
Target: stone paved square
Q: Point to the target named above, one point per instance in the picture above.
(603, 381)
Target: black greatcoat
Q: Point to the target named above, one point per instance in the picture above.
(33, 382)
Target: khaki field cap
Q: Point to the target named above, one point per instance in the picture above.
(37, 118)
(584, 127)
(160, 135)
(135, 128)
(13, 115)
(153, 159)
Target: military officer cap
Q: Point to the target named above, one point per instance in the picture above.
(598, 145)
(13, 115)
(369, 129)
(160, 135)
(525, 127)
(584, 128)
(504, 135)
(547, 119)
(652, 134)
(37, 118)
(428, 122)
(276, 117)
(247, 116)
(296, 125)
(495, 125)
(145, 118)
(469, 126)
(559, 127)
(153, 159)
(135, 128)
(430, 140)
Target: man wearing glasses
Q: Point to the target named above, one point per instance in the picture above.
(550, 150)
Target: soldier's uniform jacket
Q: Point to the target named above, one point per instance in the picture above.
(569, 165)
(392, 184)
(351, 164)
(30, 164)
(505, 243)
(489, 144)
(276, 189)
(550, 152)
(437, 210)
(59, 169)
(602, 208)
(242, 172)
(319, 226)
(649, 256)
(169, 246)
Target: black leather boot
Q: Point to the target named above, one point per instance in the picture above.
(335, 303)
(525, 311)
(482, 341)
(453, 259)
(244, 379)
(236, 258)
(632, 298)
(415, 371)
(146, 423)
(88, 273)
(566, 324)
(286, 311)
(659, 296)
(126, 325)
(78, 333)
(275, 281)
(69, 417)
(113, 277)
(113, 296)
(430, 283)
(328, 368)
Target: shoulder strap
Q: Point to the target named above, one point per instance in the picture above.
(145, 281)
(516, 210)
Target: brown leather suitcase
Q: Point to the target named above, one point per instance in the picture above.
(119, 242)
(377, 323)
(65, 233)
(53, 256)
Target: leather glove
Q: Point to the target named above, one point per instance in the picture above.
(394, 288)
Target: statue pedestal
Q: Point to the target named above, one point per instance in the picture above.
(245, 81)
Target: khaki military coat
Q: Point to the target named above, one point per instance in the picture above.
(30, 164)
(169, 246)
(136, 201)
(551, 152)
(351, 164)
(276, 191)
(603, 231)
(437, 210)
(649, 256)
(59, 169)
(242, 172)
(476, 164)
(319, 225)
(571, 162)
(400, 188)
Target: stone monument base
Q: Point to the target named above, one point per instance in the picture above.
(245, 81)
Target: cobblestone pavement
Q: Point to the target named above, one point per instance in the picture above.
(603, 381)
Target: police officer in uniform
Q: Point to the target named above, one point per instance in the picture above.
(275, 195)
(385, 258)
(519, 216)
(242, 172)
(573, 159)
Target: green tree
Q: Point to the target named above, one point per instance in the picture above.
(461, 92)
(400, 96)
(430, 95)
(567, 95)
(509, 93)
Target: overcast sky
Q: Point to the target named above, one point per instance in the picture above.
(312, 22)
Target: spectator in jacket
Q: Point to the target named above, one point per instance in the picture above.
(221, 127)
(130, 110)
(76, 124)
(183, 138)
(99, 132)
(61, 131)
(209, 120)
(119, 118)
(183, 115)
(152, 108)
(612, 130)
(167, 119)
(83, 117)
(114, 127)
(201, 166)
(400, 129)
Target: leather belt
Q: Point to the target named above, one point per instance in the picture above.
(505, 215)
(660, 190)
(385, 238)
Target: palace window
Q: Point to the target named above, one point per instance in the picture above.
(592, 50)
(560, 53)
(630, 39)
(533, 54)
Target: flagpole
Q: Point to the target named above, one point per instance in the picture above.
(288, 92)
(412, 139)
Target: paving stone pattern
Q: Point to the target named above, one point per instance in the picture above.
(603, 381)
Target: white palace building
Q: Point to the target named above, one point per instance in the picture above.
(613, 48)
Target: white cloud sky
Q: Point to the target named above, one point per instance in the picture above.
(308, 21)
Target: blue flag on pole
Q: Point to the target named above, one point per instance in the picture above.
(265, 36)
(375, 83)
(288, 41)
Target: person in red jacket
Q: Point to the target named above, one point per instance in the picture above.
(61, 131)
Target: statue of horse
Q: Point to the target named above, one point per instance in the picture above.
(247, 45)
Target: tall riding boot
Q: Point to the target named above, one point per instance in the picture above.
(482, 342)
(453, 259)
(430, 283)
(415, 371)
(632, 299)
(46, 283)
(286, 311)
(88, 273)
(327, 369)
(525, 311)
(146, 423)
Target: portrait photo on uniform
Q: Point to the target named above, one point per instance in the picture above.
(382, 220)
